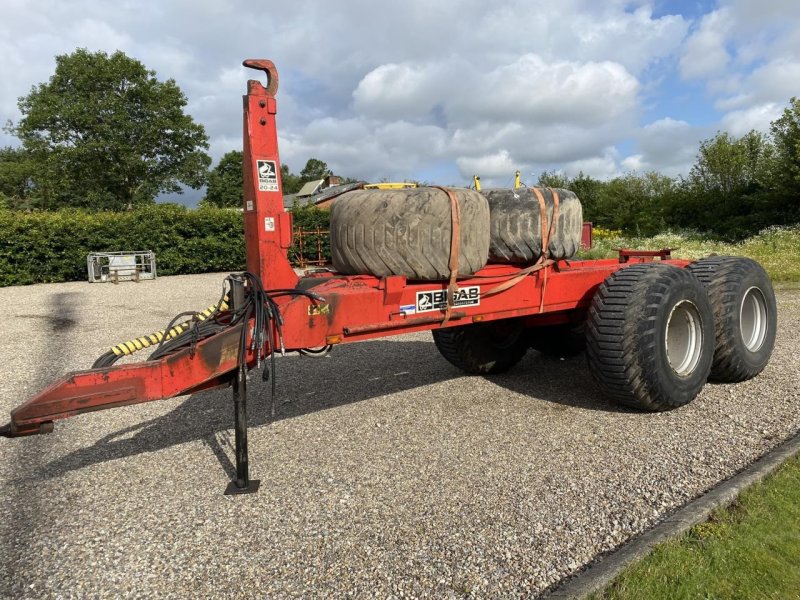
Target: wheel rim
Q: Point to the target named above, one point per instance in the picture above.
(684, 339)
(753, 319)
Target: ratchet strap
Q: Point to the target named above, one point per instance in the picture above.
(544, 261)
(455, 248)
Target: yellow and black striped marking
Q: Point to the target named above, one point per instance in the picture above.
(131, 346)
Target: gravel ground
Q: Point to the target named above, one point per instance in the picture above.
(389, 474)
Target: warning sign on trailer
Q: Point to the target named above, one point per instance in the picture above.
(267, 176)
(437, 299)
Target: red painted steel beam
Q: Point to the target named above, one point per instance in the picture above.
(96, 389)
(267, 226)
(363, 307)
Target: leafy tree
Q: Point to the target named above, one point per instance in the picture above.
(103, 132)
(315, 169)
(16, 174)
(726, 165)
(291, 183)
(634, 203)
(728, 189)
(588, 190)
(225, 182)
(786, 167)
(553, 179)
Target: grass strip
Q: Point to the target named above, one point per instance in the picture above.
(749, 550)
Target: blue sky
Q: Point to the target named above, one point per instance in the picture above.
(439, 91)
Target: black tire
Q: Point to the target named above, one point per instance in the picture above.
(634, 314)
(559, 341)
(407, 232)
(516, 230)
(745, 315)
(483, 348)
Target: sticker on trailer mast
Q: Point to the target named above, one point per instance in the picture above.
(267, 176)
(437, 299)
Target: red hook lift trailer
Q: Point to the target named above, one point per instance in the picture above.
(655, 330)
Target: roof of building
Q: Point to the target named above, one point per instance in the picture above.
(310, 188)
(321, 196)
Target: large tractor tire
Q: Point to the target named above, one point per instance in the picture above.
(407, 232)
(650, 336)
(516, 228)
(745, 315)
(483, 348)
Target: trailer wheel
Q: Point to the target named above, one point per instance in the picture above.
(560, 341)
(650, 336)
(745, 315)
(483, 348)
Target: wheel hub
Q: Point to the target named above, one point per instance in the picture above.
(753, 319)
(684, 339)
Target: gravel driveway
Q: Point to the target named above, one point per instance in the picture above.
(389, 474)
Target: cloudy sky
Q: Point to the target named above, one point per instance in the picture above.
(439, 90)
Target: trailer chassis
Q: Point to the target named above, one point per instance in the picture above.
(345, 308)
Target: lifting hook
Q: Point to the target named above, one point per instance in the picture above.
(262, 64)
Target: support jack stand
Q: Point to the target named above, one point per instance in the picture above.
(233, 488)
(242, 484)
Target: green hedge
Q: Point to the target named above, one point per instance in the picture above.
(42, 247)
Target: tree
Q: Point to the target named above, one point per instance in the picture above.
(728, 191)
(16, 174)
(314, 170)
(728, 166)
(634, 203)
(786, 167)
(225, 182)
(103, 132)
(553, 179)
(588, 190)
(291, 183)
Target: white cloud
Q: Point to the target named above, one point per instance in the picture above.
(493, 166)
(403, 90)
(528, 89)
(668, 146)
(774, 81)
(759, 117)
(748, 55)
(754, 15)
(600, 167)
(515, 83)
(705, 53)
(533, 90)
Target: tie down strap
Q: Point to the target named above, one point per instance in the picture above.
(455, 249)
(544, 260)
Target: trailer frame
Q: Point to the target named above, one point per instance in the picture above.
(350, 308)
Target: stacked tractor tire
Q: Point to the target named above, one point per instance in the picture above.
(654, 333)
(408, 231)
